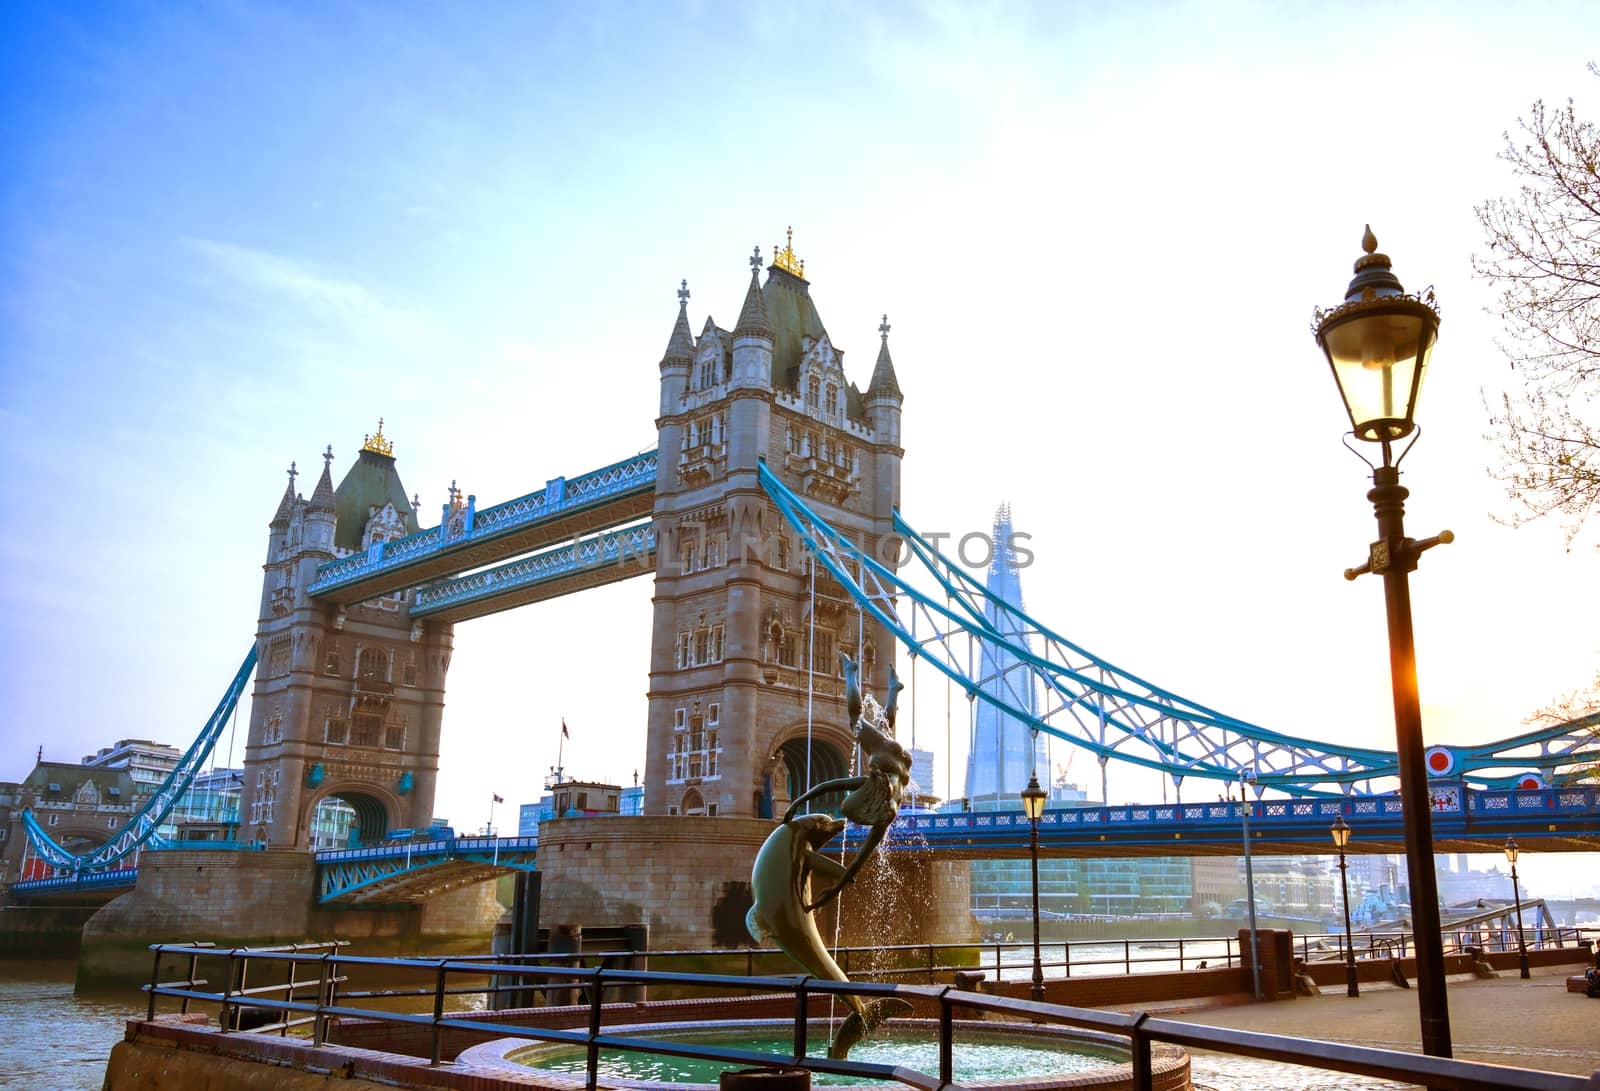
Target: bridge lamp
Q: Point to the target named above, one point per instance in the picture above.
(1512, 852)
(1377, 344)
(1033, 800)
(1341, 839)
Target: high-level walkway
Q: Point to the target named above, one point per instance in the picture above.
(1504, 1020)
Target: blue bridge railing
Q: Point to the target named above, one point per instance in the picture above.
(561, 496)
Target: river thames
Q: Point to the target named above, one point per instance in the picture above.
(52, 1039)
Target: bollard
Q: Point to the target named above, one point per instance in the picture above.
(970, 981)
(765, 1079)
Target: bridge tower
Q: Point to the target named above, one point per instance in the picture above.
(746, 699)
(348, 700)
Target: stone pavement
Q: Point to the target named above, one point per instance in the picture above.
(1529, 1024)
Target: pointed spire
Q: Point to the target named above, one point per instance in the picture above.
(286, 505)
(883, 379)
(753, 317)
(680, 346)
(322, 499)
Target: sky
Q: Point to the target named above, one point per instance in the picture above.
(234, 233)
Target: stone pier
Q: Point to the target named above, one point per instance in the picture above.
(235, 898)
(688, 879)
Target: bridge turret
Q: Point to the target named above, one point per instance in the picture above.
(882, 403)
(678, 359)
(349, 699)
(321, 514)
(676, 364)
(738, 719)
(752, 336)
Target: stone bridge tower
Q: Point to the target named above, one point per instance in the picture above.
(347, 701)
(744, 653)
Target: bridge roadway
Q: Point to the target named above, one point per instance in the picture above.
(565, 510)
(1464, 820)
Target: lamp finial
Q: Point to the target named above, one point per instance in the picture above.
(1369, 241)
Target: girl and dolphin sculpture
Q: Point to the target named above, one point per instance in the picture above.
(780, 880)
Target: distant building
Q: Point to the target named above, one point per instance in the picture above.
(148, 763)
(1215, 881)
(922, 770)
(1464, 884)
(1004, 754)
(529, 815)
(1296, 886)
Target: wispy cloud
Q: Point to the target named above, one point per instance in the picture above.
(330, 297)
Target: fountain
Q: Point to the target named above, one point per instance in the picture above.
(986, 1053)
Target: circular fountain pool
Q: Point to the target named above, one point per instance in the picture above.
(985, 1054)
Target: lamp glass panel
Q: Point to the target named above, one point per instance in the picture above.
(1511, 852)
(1379, 357)
(1033, 800)
(1341, 834)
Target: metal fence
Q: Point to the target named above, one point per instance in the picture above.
(314, 994)
(933, 962)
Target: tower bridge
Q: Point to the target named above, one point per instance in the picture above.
(764, 516)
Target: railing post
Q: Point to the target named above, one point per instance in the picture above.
(194, 970)
(319, 1018)
(930, 964)
(801, 1011)
(1066, 959)
(946, 1035)
(294, 963)
(1143, 1078)
(436, 1045)
(592, 1067)
(1180, 954)
(333, 989)
(227, 991)
(998, 964)
(155, 979)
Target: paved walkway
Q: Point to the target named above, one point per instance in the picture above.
(1528, 1024)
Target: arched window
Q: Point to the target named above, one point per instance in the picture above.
(693, 802)
(373, 664)
(813, 393)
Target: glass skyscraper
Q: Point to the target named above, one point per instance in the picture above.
(1003, 751)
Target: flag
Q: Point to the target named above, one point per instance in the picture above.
(497, 799)
(564, 733)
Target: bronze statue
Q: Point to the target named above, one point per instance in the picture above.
(780, 880)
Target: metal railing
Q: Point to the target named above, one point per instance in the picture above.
(935, 962)
(327, 969)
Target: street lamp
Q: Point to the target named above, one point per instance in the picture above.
(1377, 343)
(1341, 837)
(1522, 944)
(1033, 798)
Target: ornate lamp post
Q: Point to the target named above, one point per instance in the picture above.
(1522, 944)
(1341, 837)
(1377, 343)
(1033, 798)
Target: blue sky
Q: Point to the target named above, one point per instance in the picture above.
(233, 233)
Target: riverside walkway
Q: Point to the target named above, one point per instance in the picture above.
(1505, 1020)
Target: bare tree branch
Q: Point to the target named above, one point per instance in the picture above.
(1544, 256)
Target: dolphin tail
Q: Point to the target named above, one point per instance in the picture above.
(861, 1024)
(752, 924)
(852, 687)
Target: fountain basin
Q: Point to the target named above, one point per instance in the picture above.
(986, 1054)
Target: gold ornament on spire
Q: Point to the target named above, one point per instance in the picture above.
(377, 444)
(786, 260)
